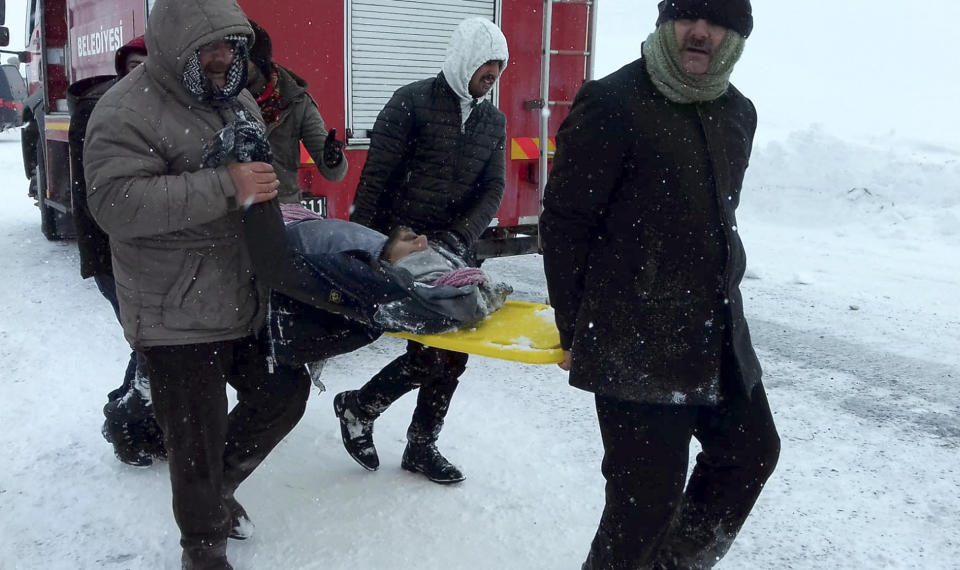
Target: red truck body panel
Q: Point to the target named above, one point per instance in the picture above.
(312, 43)
(77, 39)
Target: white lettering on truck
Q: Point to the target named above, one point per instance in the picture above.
(104, 40)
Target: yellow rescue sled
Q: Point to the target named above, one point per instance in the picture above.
(520, 331)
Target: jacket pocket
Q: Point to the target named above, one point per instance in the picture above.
(208, 295)
(625, 267)
(180, 287)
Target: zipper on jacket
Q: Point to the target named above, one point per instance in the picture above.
(272, 357)
(462, 139)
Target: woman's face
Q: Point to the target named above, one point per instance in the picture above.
(407, 242)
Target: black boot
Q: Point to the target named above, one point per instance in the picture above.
(356, 431)
(131, 426)
(205, 557)
(424, 458)
(135, 443)
(241, 527)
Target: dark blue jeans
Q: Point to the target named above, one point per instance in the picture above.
(108, 288)
(434, 371)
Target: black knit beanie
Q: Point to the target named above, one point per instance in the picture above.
(735, 15)
(261, 54)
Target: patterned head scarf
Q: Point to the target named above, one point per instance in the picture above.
(195, 81)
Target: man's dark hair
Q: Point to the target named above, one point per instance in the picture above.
(261, 54)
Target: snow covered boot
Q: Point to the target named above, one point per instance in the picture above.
(205, 557)
(241, 527)
(125, 446)
(137, 442)
(131, 427)
(356, 430)
(426, 459)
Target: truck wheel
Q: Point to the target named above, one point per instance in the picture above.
(48, 216)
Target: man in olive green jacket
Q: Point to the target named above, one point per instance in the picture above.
(292, 116)
(189, 301)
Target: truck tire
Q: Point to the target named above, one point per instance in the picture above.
(48, 216)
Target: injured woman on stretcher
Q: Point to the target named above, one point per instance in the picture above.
(337, 285)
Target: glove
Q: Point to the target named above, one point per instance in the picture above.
(243, 140)
(332, 150)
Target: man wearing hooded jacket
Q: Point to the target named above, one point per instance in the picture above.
(291, 116)
(643, 265)
(436, 165)
(189, 301)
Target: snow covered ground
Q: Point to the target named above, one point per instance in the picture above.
(852, 298)
(852, 295)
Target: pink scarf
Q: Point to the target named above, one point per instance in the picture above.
(462, 277)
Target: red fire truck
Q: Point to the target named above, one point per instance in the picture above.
(354, 54)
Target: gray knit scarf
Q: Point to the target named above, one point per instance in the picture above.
(662, 55)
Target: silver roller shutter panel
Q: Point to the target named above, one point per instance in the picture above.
(396, 42)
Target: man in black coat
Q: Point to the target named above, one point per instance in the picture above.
(436, 165)
(643, 263)
(129, 420)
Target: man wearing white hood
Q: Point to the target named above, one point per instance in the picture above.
(436, 166)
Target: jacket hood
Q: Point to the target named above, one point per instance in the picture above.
(326, 236)
(89, 89)
(136, 45)
(261, 54)
(290, 84)
(177, 28)
(474, 42)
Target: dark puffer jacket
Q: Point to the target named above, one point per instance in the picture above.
(92, 242)
(428, 172)
(82, 96)
(641, 250)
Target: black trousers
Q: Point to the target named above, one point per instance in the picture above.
(435, 371)
(649, 520)
(108, 288)
(210, 452)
